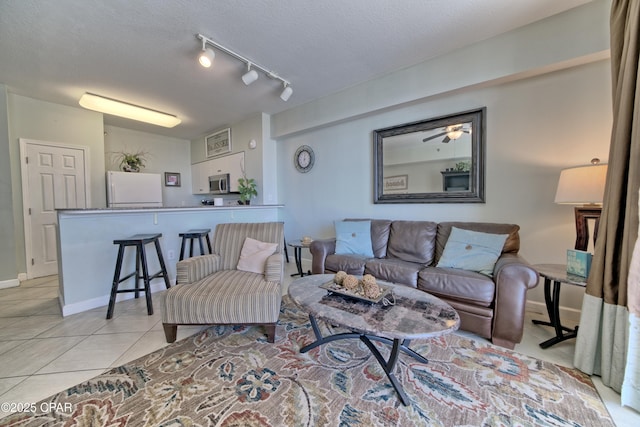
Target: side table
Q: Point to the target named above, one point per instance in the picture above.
(297, 246)
(558, 274)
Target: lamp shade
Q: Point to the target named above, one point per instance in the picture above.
(582, 184)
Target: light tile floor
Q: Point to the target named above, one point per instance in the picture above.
(42, 353)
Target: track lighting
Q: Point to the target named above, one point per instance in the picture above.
(130, 111)
(250, 76)
(207, 55)
(286, 92)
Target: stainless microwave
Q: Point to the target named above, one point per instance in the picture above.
(219, 184)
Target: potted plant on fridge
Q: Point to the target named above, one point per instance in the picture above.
(130, 161)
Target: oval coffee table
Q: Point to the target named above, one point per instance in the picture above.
(415, 315)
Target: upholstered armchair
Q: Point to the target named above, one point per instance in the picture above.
(240, 283)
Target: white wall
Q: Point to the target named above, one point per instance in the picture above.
(34, 119)
(570, 38)
(535, 127)
(547, 90)
(8, 267)
(40, 120)
(260, 163)
(165, 154)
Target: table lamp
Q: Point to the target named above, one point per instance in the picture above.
(584, 186)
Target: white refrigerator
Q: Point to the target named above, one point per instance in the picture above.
(134, 190)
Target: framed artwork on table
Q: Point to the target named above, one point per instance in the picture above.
(172, 179)
(218, 143)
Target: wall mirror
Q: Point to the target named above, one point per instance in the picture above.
(439, 160)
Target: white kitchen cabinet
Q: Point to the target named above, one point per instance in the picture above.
(200, 178)
(231, 164)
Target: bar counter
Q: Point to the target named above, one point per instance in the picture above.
(87, 255)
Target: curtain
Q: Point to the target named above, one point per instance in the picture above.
(607, 342)
(630, 394)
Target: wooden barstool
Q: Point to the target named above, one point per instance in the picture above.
(195, 234)
(139, 241)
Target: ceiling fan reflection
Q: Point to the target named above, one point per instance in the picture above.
(450, 133)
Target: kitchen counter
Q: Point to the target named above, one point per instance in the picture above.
(87, 255)
(85, 211)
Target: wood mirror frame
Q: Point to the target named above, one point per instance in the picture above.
(422, 151)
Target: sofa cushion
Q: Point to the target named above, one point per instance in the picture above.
(394, 270)
(353, 237)
(352, 264)
(512, 244)
(454, 284)
(472, 250)
(380, 229)
(412, 241)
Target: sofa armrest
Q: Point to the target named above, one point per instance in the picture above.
(513, 277)
(319, 250)
(274, 268)
(192, 269)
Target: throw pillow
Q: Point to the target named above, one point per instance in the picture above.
(353, 237)
(254, 254)
(472, 250)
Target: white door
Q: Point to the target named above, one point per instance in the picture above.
(53, 177)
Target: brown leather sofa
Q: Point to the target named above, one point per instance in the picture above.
(407, 252)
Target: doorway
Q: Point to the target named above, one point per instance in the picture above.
(54, 176)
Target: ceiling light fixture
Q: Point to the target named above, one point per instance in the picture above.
(286, 92)
(206, 56)
(251, 75)
(130, 111)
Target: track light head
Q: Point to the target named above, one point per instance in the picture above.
(250, 76)
(286, 92)
(206, 57)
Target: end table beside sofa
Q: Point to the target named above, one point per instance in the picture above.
(407, 252)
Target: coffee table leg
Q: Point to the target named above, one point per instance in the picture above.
(388, 365)
(323, 340)
(404, 346)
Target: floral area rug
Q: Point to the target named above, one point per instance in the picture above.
(227, 376)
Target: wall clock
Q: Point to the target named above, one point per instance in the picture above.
(304, 158)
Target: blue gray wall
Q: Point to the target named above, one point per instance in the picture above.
(8, 264)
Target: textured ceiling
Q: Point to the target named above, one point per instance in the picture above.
(143, 51)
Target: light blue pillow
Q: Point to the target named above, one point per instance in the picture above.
(354, 237)
(472, 250)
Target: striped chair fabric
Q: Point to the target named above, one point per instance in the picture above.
(229, 296)
(211, 291)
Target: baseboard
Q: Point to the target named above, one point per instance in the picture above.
(12, 283)
(22, 277)
(102, 301)
(567, 315)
